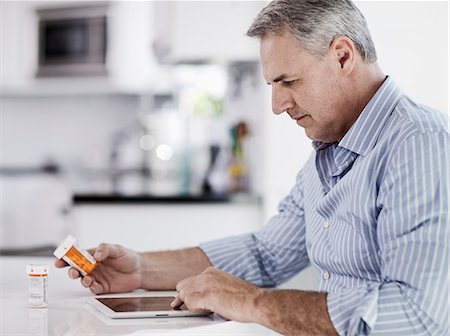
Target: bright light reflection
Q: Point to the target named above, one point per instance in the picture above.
(164, 152)
(147, 142)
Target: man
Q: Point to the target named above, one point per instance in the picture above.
(369, 209)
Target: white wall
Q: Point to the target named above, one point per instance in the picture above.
(61, 128)
(411, 38)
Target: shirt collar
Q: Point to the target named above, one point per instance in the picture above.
(364, 133)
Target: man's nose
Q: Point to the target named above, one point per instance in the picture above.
(281, 101)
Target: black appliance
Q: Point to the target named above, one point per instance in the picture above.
(72, 41)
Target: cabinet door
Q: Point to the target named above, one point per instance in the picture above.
(206, 30)
(157, 227)
(18, 38)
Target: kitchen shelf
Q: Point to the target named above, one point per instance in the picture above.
(67, 88)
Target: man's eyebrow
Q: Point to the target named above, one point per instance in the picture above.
(283, 77)
(280, 78)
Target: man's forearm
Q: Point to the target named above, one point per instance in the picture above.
(163, 270)
(294, 312)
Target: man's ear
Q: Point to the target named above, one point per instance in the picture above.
(343, 53)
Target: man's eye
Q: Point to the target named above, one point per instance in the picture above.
(288, 83)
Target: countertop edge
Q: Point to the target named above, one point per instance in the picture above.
(118, 199)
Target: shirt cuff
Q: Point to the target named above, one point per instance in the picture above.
(381, 308)
(353, 311)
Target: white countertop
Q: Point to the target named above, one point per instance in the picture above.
(69, 314)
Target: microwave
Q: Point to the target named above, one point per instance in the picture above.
(72, 41)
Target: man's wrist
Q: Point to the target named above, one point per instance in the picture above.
(142, 269)
(259, 309)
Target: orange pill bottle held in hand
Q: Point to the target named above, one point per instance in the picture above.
(75, 256)
(37, 285)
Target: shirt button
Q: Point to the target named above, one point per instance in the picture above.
(326, 225)
(326, 275)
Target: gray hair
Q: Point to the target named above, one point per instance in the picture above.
(315, 23)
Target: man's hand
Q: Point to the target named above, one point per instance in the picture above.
(118, 270)
(219, 292)
(289, 312)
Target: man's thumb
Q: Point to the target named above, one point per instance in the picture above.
(104, 251)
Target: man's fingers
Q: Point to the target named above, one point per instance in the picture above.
(90, 282)
(193, 302)
(91, 250)
(104, 251)
(177, 302)
(59, 263)
(73, 273)
(86, 281)
(181, 284)
(96, 288)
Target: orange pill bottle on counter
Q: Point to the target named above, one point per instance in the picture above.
(75, 256)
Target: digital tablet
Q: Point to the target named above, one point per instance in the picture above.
(140, 306)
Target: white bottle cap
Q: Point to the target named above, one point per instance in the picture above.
(65, 246)
(37, 269)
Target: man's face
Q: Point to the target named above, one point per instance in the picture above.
(308, 88)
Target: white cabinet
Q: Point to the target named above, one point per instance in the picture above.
(205, 30)
(140, 33)
(130, 62)
(18, 43)
(158, 227)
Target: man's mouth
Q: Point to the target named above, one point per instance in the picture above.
(297, 118)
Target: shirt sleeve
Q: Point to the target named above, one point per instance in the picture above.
(413, 233)
(271, 255)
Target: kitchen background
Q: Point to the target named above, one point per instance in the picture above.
(160, 134)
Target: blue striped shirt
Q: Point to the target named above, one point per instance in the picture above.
(371, 215)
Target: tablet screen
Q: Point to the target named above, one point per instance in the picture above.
(134, 304)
